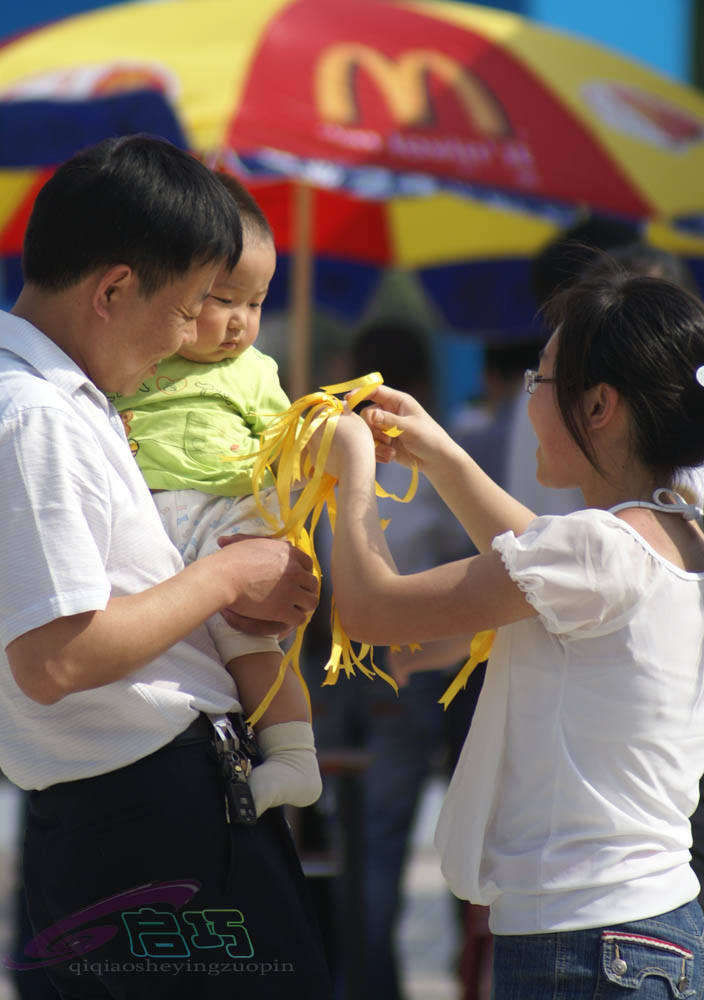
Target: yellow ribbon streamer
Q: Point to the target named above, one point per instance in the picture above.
(478, 652)
(282, 454)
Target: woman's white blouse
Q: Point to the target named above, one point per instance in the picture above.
(569, 805)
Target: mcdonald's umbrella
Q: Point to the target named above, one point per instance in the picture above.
(380, 104)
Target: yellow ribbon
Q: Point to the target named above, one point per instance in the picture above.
(478, 652)
(283, 444)
(282, 454)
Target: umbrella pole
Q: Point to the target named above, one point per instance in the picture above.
(301, 290)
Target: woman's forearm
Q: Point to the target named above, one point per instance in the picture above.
(481, 506)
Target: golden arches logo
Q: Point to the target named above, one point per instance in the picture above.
(403, 81)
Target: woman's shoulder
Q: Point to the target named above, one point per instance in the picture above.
(669, 538)
(584, 572)
(602, 541)
(592, 538)
(592, 526)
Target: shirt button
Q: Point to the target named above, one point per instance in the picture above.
(619, 967)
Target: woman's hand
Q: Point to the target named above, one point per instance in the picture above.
(440, 654)
(401, 665)
(422, 441)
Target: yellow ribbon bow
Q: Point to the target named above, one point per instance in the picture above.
(479, 650)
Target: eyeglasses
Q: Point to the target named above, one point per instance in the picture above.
(531, 379)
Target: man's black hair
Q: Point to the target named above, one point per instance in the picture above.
(138, 201)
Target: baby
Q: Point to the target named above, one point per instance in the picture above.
(209, 401)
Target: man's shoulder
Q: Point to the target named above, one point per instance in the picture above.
(22, 386)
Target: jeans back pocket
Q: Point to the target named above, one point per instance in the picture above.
(628, 959)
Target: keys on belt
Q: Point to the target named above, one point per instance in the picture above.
(234, 751)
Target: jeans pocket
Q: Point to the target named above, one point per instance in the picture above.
(627, 960)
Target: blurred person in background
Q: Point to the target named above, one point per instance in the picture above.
(408, 736)
(557, 265)
(487, 441)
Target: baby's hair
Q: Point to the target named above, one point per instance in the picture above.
(254, 222)
(645, 337)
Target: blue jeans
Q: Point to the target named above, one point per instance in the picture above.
(661, 958)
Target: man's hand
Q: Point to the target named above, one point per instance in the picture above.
(256, 626)
(271, 583)
(278, 590)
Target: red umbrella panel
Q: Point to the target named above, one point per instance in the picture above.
(435, 97)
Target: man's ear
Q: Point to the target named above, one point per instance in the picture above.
(109, 288)
(600, 405)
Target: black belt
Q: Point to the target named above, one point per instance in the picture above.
(199, 731)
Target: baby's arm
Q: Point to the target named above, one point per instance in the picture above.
(254, 673)
(289, 773)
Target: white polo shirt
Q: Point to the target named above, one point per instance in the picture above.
(78, 526)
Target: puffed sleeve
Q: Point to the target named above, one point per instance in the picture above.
(584, 573)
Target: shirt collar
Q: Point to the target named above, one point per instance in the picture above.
(22, 338)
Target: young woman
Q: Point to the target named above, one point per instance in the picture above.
(568, 813)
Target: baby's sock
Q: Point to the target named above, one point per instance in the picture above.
(290, 772)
